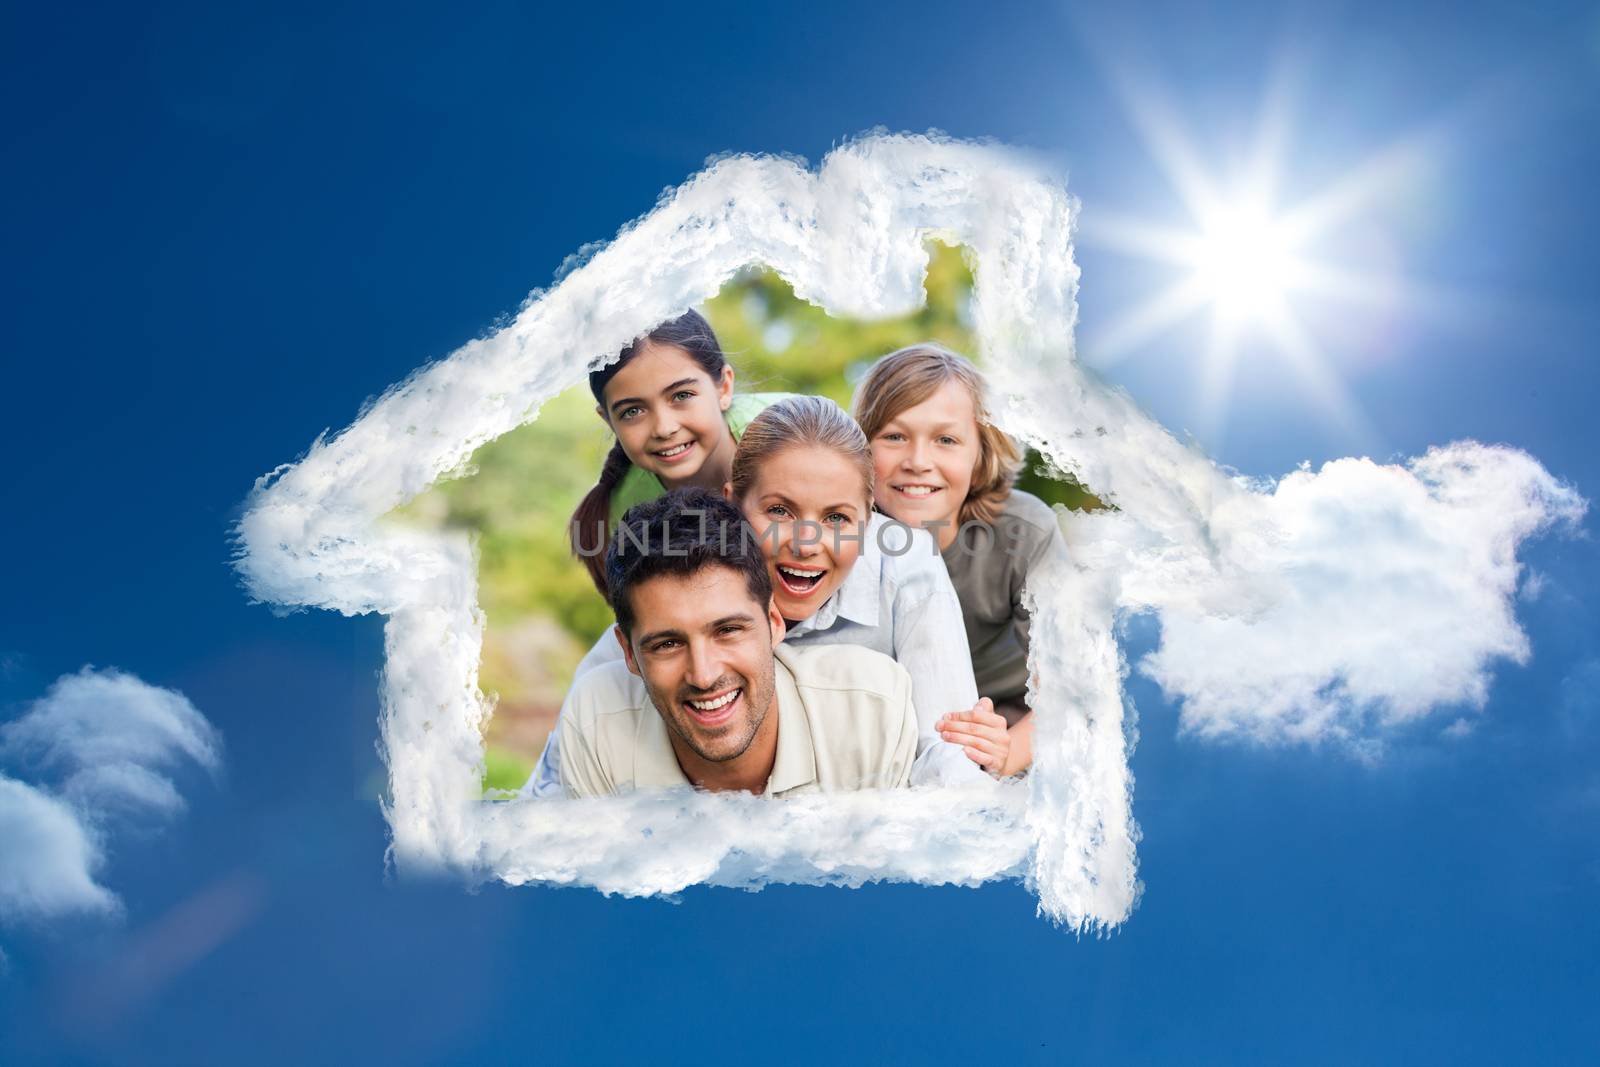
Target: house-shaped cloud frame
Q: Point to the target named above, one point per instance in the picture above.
(849, 237)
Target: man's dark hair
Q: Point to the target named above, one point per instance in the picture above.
(679, 534)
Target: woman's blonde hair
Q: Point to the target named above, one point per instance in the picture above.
(906, 378)
(800, 422)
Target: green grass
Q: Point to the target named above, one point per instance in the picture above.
(505, 770)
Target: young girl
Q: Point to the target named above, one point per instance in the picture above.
(940, 464)
(842, 574)
(669, 399)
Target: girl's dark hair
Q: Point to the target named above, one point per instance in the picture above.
(590, 529)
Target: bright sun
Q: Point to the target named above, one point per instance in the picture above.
(1245, 262)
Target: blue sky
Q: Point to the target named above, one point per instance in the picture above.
(224, 232)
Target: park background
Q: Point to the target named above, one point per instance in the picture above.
(517, 493)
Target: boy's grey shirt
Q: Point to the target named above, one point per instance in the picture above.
(990, 578)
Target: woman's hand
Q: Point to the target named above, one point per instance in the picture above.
(981, 733)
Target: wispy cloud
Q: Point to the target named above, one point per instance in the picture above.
(50, 857)
(101, 749)
(1580, 702)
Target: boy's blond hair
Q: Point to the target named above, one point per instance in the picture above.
(904, 379)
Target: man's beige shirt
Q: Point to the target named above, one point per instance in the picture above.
(845, 721)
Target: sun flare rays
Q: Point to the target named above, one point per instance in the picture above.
(1263, 272)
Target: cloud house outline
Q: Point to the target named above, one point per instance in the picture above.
(1186, 540)
(848, 237)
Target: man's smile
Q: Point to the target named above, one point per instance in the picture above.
(714, 710)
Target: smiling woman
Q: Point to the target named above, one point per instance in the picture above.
(801, 474)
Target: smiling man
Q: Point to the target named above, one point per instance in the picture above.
(707, 695)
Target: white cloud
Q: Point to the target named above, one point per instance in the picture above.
(1322, 604)
(101, 746)
(1342, 602)
(109, 736)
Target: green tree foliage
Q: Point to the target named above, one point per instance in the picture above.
(780, 343)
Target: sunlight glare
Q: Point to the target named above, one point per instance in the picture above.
(1244, 261)
(1260, 270)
